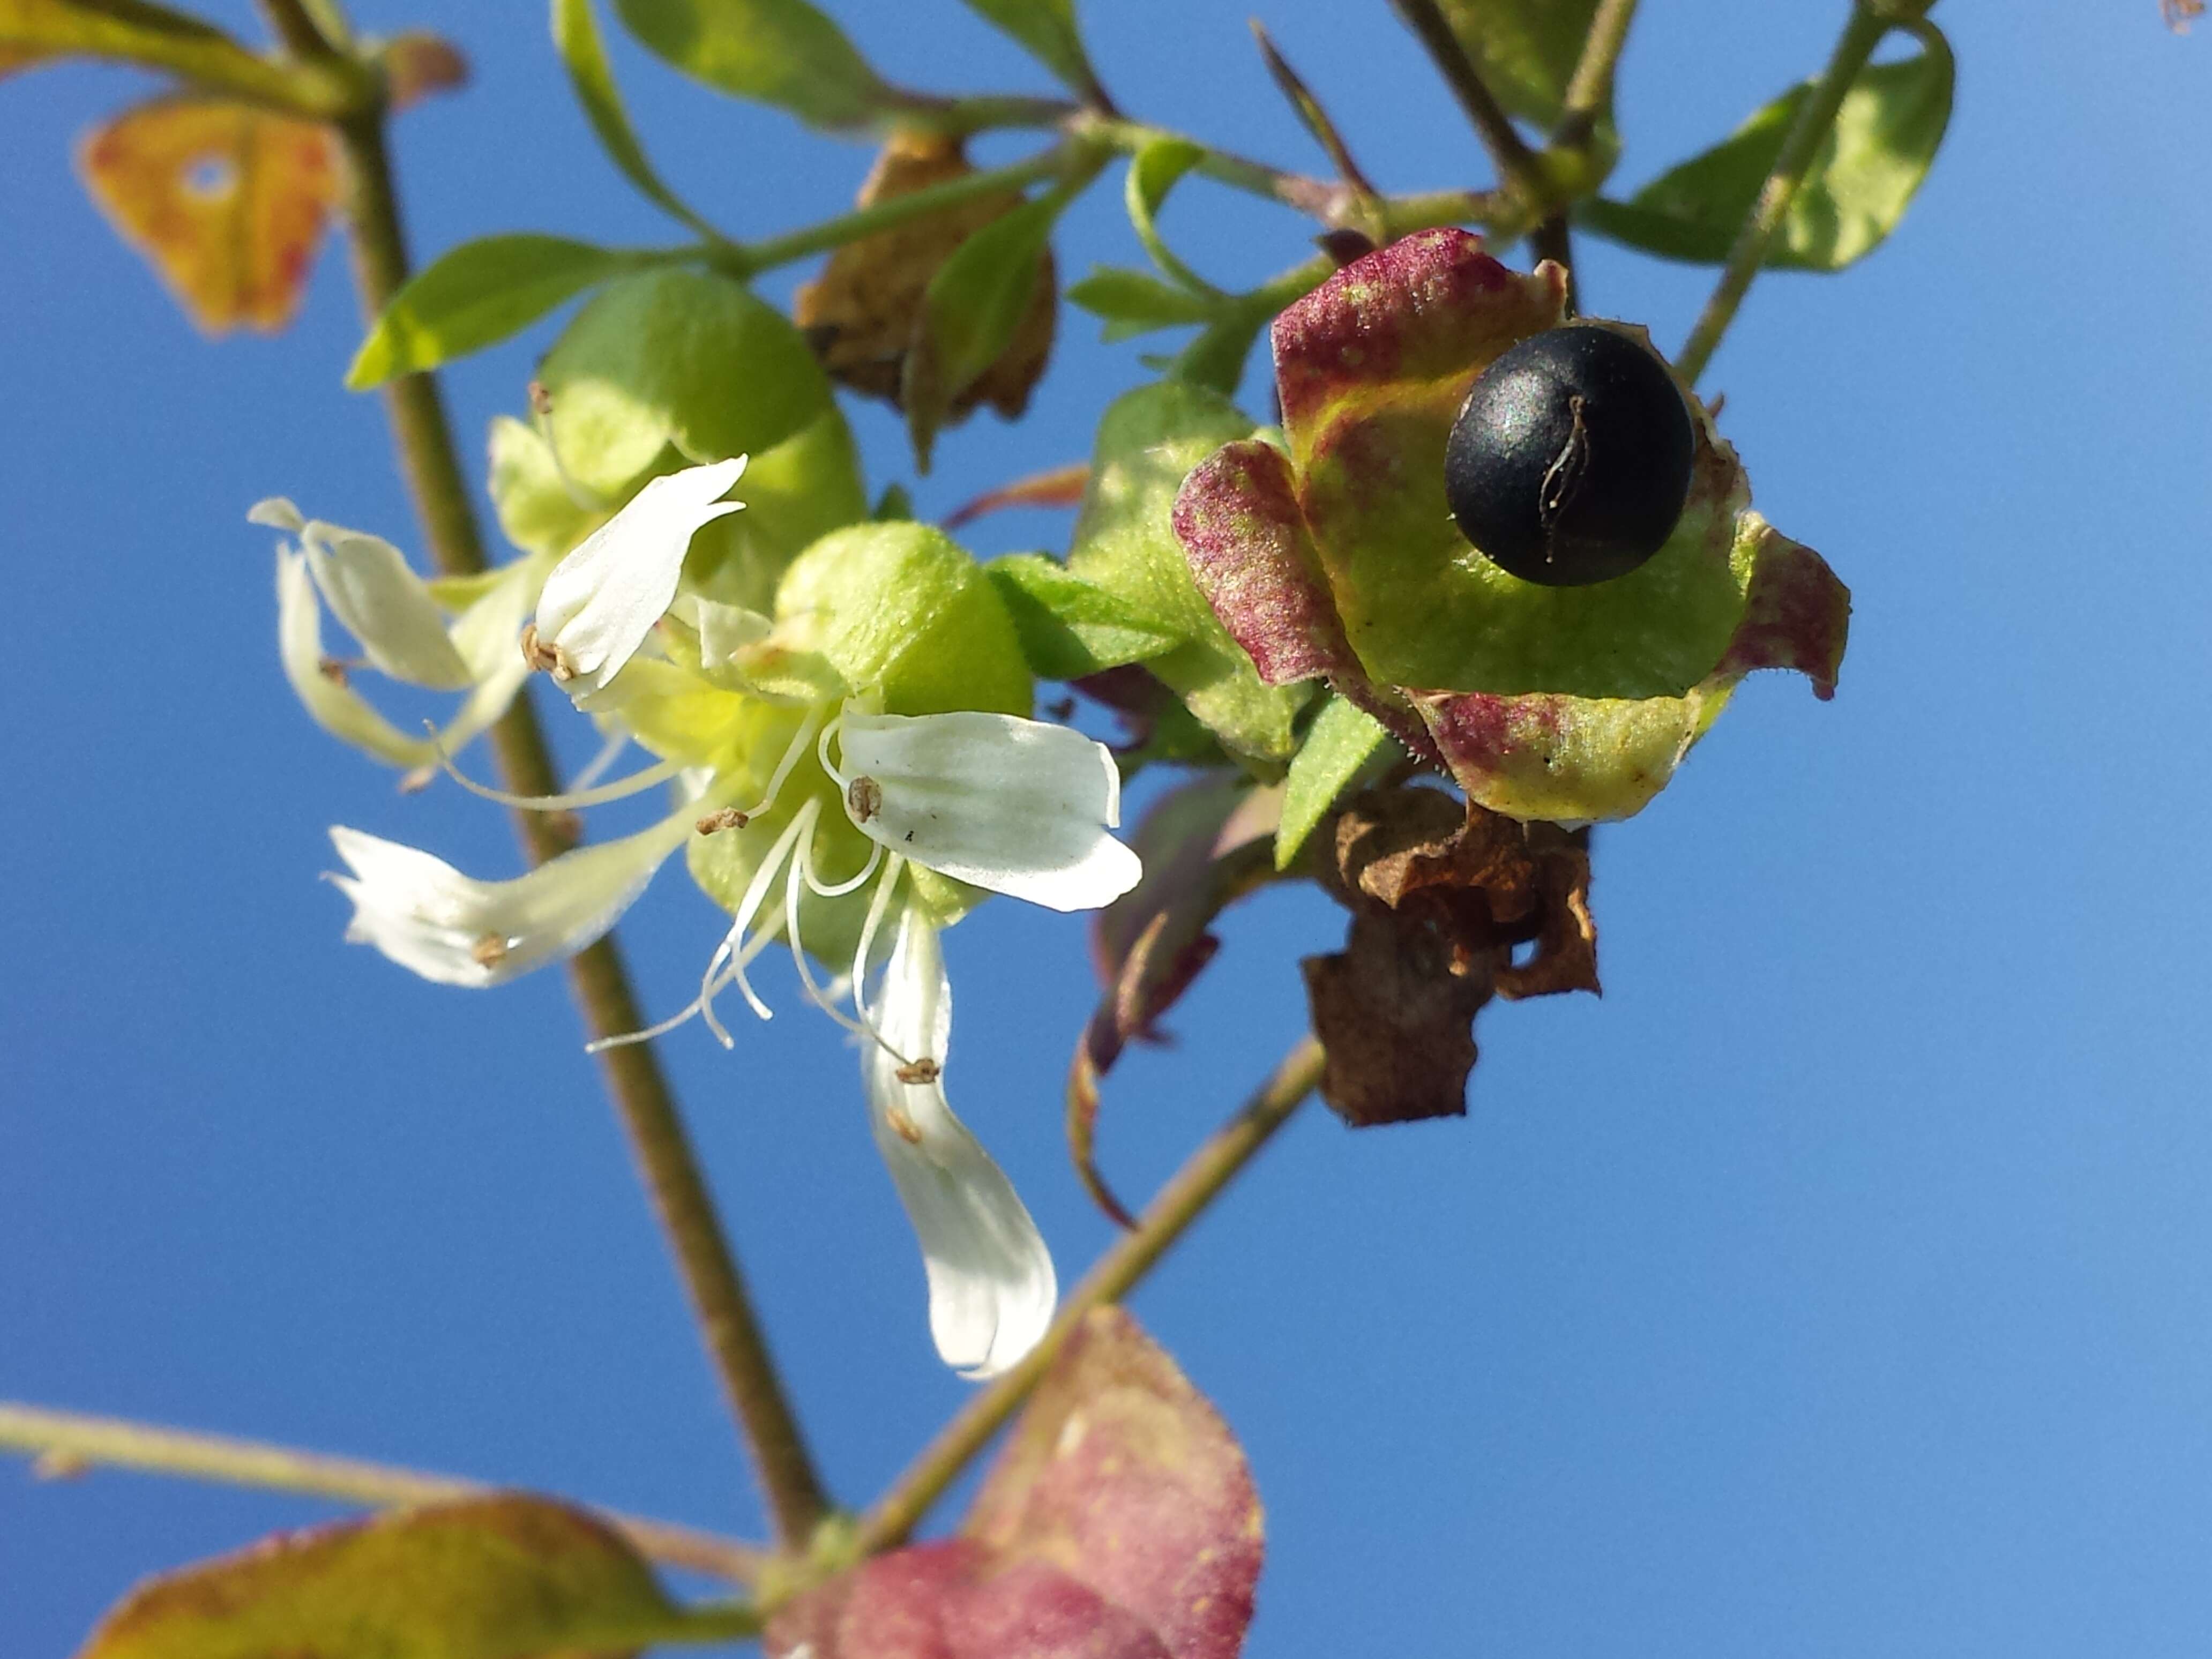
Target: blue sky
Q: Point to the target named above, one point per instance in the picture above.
(1840, 1284)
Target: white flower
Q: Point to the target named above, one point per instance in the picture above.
(1019, 807)
(603, 598)
(401, 629)
(428, 916)
(991, 1284)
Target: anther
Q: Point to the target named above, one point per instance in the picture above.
(541, 398)
(729, 818)
(544, 655)
(331, 670)
(919, 1071)
(489, 951)
(865, 797)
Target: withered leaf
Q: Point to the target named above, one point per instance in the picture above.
(1119, 1522)
(1441, 893)
(228, 203)
(864, 312)
(486, 1577)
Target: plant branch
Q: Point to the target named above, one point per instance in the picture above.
(64, 1442)
(1589, 89)
(1516, 164)
(301, 35)
(1862, 34)
(601, 984)
(1185, 1197)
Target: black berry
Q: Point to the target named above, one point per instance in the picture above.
(1570, 461)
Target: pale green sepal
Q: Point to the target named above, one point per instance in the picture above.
(902, 610)
(1342, 745)
(1124, 541)
(795, 493)
(680, 358)
(537, 508)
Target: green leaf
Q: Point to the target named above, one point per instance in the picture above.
(1525, 49)
(675, 356)
(1134, 303)
(135, 32)
(1069, 627)
(1153, 171)
(483, 1578)
(795, 493)
(784, 52)
(576, 36)
(1216, 359)
(533, 500)
(1124, 541)
(1339, 748)
(970, 310)
(1883, 142)
(474, 295)
(1047, 29)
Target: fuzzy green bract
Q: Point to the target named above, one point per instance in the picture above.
(1340, 558)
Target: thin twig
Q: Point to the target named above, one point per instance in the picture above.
(1317, 120)
(75, 1438)
(1515, 161)
(1862, 34)
(600, 983)
(1179, 1203)
(1589, 89)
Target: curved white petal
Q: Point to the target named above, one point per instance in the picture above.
(429, 917)
(991, 1284)
(368, 587)
(603, 599)
(278, 512)
(487, 635)
(1016, 805)
(335, 706)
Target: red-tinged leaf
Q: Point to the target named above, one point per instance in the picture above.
(228, 203)
(1238, 519)
(1204, 845)
(504, 1576)
(1797, 613)
(1122, 1475)
(1119, 1522)
(1059, 486)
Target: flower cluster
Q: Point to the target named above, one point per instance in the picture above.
(851, 772)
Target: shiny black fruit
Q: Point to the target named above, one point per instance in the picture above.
(1570, 461)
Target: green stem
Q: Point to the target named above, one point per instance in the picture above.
(748, 259)
(1867, 24)
(1589, 89)
(1185, 1195)
(601, 984)
(66, 1442)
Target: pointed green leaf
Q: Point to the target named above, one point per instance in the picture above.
(784, 52)
(1047, 29)
(970, 310)
(1525, 49)
(491, 1578)
(474, 295)
(1339, 747)
(136, 32)
(1069, 627)
(1153, 171)
(576, 37)
(1883, 142)
(1134, 303)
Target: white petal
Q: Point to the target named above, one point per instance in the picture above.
(367, 583)
(487, 634)
(991, 1284)
(278, 514)
(335, 706)
(603, 599)
(1018, 806)
(428, 916)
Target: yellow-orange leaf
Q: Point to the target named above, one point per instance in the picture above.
(228, 203)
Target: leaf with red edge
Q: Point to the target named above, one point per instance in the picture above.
(495, 1578)
(1119, 1522)
(228, 203)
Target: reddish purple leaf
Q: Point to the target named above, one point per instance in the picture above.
(1796, 615)
(1238, 519)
